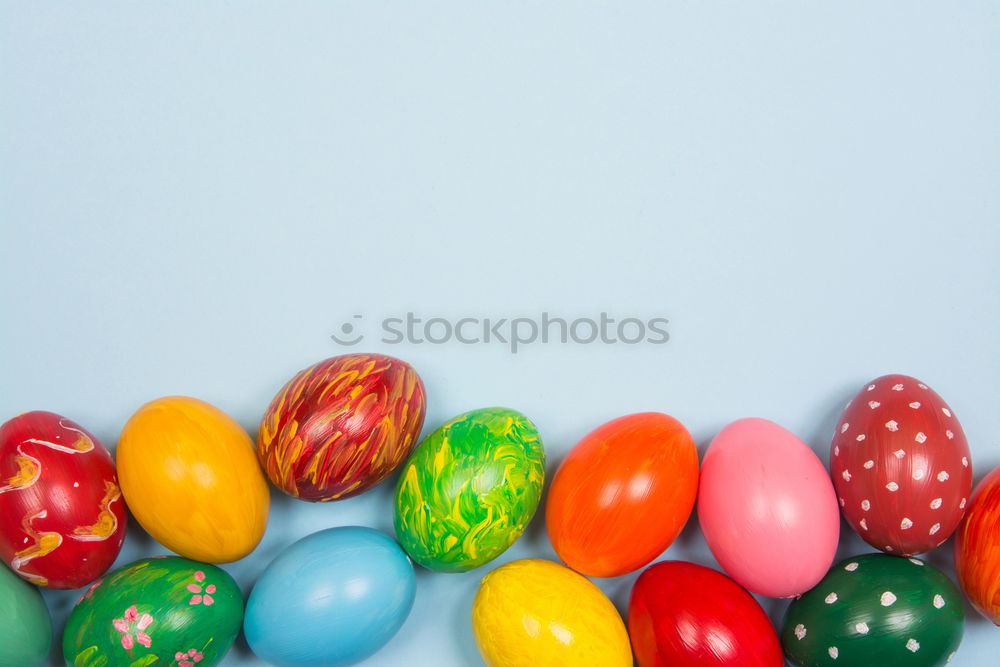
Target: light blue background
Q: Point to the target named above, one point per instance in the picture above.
(195, 195)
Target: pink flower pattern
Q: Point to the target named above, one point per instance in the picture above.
(133, 627)
(201, 596)
(188, 659)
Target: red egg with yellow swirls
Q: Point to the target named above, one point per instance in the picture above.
(62, 517)
(341, 426)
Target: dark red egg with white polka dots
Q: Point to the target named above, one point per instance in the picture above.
(901, 466)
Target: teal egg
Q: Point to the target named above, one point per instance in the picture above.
(26, 630)
(469, 489)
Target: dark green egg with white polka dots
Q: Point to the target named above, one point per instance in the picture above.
(876, 610)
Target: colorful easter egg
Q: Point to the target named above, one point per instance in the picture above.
(332, 598)
(767, 508)
(191, 478)
(62, 517)
(341, 426)
(977, 548)
(622, 494)
(26, 630)
(876, 610)
(469, 489)
(683, 614)
(901, 466)
(535, 613)
(155, 611)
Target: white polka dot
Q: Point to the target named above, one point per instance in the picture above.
(965, 461)
(800, 631)
(935, 528)
(949, 434)
(842, 502)
(869, 464)
(905, 524)
(844, 427)
(920, 437)
(860, 437)
(833, 652)
(831, 598)
(915, 405)
(892, 486)
(866, 505)
(836, 450)
(961, 505)
(936, 503)
(887, 599)
(846, 475)
(863, 524)
(897, 387)
(851, 567)
(76, 485)
(871, 387)
(892, 425)
(922, 385)
(919, 473)
(862, 628)
(873, 404)
(899, 453)
(946, 411)
(916, 561)
(888, 548)
(942, 476)
(938, 601)
(913, 645)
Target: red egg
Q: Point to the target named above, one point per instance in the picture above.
(62, 517)
(900, 465)
(687, 614)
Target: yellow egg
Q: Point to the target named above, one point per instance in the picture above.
(535, 613)
(190, 476)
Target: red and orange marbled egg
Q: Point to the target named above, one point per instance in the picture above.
(977, 548)
(623, 494)
(62, 517)
(341, 426)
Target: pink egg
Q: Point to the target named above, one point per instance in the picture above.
(768, 509)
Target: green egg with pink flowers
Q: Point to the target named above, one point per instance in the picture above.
(155, 611)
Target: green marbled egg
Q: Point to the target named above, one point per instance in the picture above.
(25, 629)
(876, 610)
(155, 611)
(469, 489)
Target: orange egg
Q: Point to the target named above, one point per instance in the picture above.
(191, 478)
(623, 494)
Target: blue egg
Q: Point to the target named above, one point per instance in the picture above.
(333, 598)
